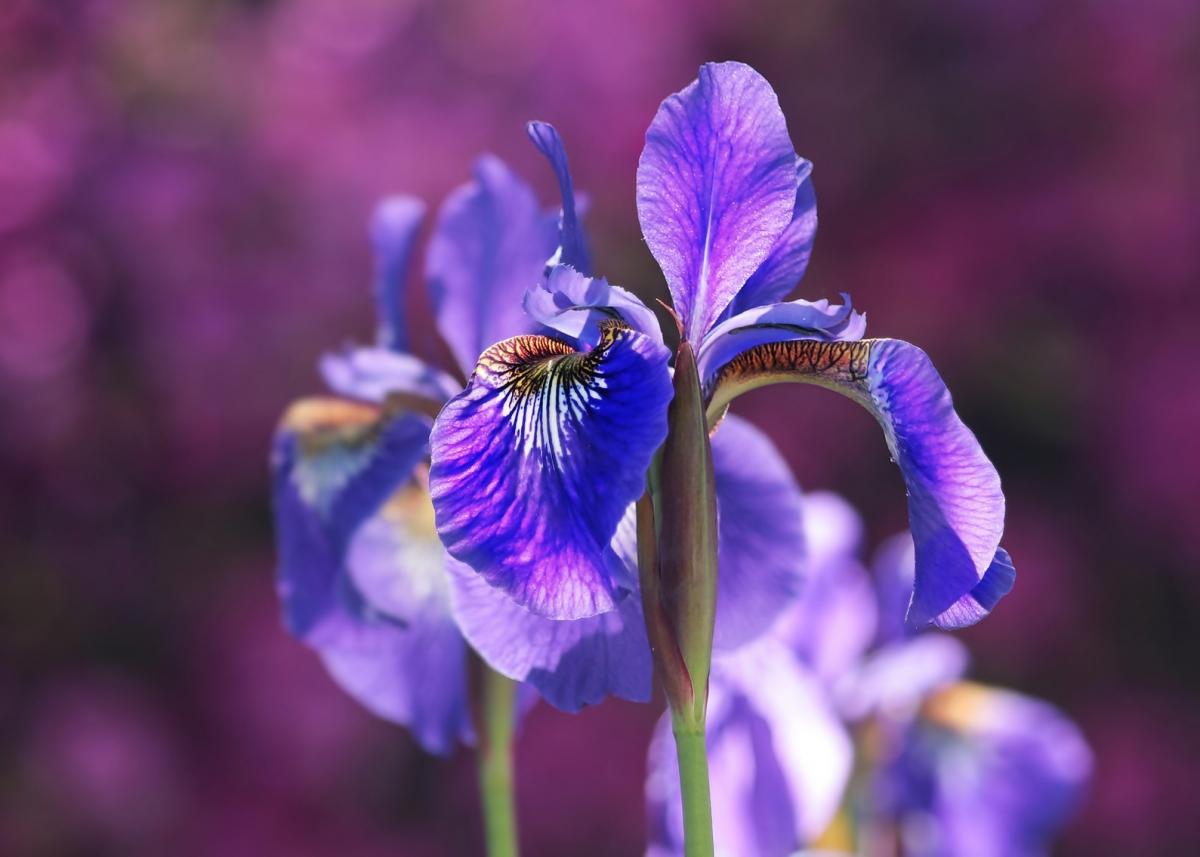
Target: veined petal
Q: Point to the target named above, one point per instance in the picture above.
(572, 242)
(536, 462)
(394, 227)
(779, 323)
(955, 505)
(780, 271)
(779, 759)
(490, 243)
(572, 662)
(373, 374)
(577, 306)
(335, 463)
(760, 532)
(716, 187)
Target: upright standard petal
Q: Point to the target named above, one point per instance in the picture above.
(716, 187)
(760, 532)
(780, 271)
(572, 243)
(489, 245)
(335, 464)
(779, 760)
(955, 505)
(536, 462)
(394, 228)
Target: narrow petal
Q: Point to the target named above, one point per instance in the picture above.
(573, 663)
(373, 374)
(577, 306)
(779, 760)
(779, 323)
(572, 242)
(716, 187)
(760, 533)
(955, 505)
(335, 464)
(536, 462)
(394, 227)
(781, 271)
(489, 245)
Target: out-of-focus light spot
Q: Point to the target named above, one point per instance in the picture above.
(43, 319)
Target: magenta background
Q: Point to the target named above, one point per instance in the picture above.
(183, 191)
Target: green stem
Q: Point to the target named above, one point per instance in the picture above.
(693, 786)
(496, 764)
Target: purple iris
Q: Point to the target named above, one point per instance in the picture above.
(363, 576)
(942, 766)
(536, 464)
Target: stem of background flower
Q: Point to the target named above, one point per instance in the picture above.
(693, 787)
(496, 764)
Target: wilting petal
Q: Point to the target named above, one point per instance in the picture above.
(779, 760)
(716, 187)
(373, 374)
(573, 249)
(1007, 771)
(955, 505)
(577, 306)
(760, 556)
(572, 662)
(779, 273)
(779, 323)
(394, 228)
(536, 462)
(335, 464)
(832, 623)
(490, 243)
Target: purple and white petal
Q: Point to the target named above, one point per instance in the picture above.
(782, 270)
(779, 759)
(394, 227)
(490, 243)
(373, 374)
(760, 527)
(577, 306)
(716, 187)
(778, 323)
(335, 464)
(536, 462)
(955, 505)
(572, 243)
(572, 663)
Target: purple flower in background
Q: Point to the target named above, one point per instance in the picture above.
(949, 767)
(537, 462)
(363, 576)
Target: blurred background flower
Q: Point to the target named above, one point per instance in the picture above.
(184, 189)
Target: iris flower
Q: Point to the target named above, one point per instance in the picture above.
(536, 463)
(942, 765)
(363, 578)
